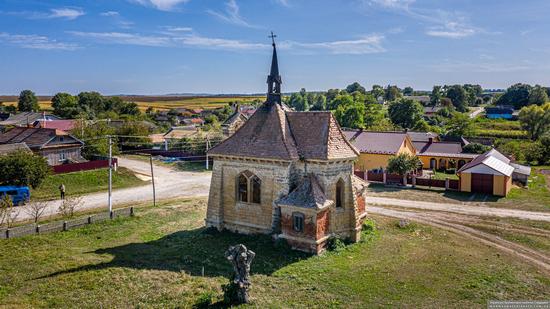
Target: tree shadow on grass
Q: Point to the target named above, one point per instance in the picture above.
(191, 250)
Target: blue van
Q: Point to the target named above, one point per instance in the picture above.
(19, 195)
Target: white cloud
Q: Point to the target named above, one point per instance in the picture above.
(283, 2)
(33, 41)
(231, 15)
(365, 45)
(110, 14)
(163, 5)
(452, 30)
(67, 13)
(391, 4)
(177, 29)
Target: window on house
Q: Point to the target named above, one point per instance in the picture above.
(340, 193)
(298, 222)
(249, 188)
(62, 155)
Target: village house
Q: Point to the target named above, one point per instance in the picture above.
(234, 122)
(58, 147)
(25, 119)
(289, 174)
(6, 149)
(378, 147)
(63, 125)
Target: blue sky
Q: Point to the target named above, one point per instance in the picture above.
(221, 46)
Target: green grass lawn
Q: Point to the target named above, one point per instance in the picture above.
(156, 258)
(79, 183)
(443, 176)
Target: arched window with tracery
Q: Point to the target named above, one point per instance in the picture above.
(340, 193)
(249, 188)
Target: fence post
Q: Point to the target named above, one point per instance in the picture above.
(131, 211)
(64, 226)
(111, 214)
(90, 219)
(384, 177)
(7, 233)
(447, 185)
(366, 175)
(405, 179)
(38, 229)
(414, 181)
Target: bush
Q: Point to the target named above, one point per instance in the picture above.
(335, 243)
(475, 148)
(204, 300)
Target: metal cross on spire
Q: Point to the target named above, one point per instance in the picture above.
(272, 36)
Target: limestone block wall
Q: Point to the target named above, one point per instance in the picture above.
(224, 209)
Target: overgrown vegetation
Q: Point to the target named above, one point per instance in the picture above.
(23, 168)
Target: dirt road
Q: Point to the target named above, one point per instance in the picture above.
(460, 209)
(168, 182)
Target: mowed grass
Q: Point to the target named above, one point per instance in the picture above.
(83, 182)
(156, 259)
(535, 197)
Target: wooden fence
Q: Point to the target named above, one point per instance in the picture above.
(83, 166)
(58, 226)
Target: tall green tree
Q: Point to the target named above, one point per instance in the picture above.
(535, 120)
(351, 115)
(374, 114)
(459, 125)
(340, 100)
(435, 96)
(27, 102)
(65, 105)
(92, 101)
(23, 168)
(458, 97)
(392, 93)
(408, 91)
(298, 101)
(377, 91)
(538, 95)
(406, 113)
(516, 95)
(320, 103)
(356, 87)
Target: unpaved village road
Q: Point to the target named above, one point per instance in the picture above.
(168, 182)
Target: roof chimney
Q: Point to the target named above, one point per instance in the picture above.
(430, 140)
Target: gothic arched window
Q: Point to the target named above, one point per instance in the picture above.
(256, 185)
(249, 188)
(340, 193)
(243, 188)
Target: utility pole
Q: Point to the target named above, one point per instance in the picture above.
(153, 181)
(206, 153)
(110, 175)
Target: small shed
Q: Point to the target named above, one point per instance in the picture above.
(489, 173)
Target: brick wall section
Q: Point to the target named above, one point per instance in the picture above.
(323, 224)
(309, 227)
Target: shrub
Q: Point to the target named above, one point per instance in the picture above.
(204, 300)
(22, 168)
(475, 148)
(335, 243)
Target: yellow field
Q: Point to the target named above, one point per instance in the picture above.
(165, 105)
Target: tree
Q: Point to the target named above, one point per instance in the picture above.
(298, 101)
(406, 113)
(435, 96)
(458, 97)
(139, 129)
(472, 93)
(65, 105)
(475, 148)
(320, 103)
(377, 91)
(94, 134)
(27, 102)
(356, 87)
(403, 164)
(8, 213)
(22, 168)
(69, 206)
(351, 115)
(459, 125)
(332, 94)
(374, 114)
(92, 101)
(545, 143)
(516, 95)
(535, 120)
(340, 100)
(408, 91)
(537, 95)
(35, 210)
(392, 93)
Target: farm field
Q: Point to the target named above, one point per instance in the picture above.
(163, 103)
(156, 259)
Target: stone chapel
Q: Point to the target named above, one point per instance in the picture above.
(289, 174)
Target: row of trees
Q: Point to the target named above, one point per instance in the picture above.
(458, 96)
(520, 95)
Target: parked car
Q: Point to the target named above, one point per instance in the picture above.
(19, 195)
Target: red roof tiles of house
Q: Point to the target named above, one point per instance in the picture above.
(64, 125)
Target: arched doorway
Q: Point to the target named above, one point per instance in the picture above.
(433, 163)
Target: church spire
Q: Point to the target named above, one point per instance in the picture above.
(274, 80)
